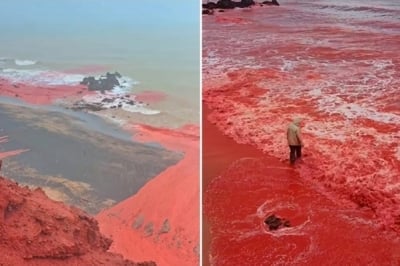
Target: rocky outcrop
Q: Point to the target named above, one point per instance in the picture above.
(271, 3)
(228, 4)
(208, 8)
(104, 101)
(35, 230)
(103, 83)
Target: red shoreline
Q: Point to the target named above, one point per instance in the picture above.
(160, 200)
(173, 195)
(219, 151)
(42, 95)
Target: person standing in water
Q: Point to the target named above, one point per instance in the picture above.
(295, 140)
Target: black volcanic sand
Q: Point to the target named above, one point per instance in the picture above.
(75, 163)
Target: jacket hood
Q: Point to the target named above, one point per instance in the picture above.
(297, 121)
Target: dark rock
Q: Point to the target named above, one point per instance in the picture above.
(165, 227)
(107, 100)
(209, 7)
(274, 222)
(148, 229)
(104, 83)
(226, 4)
(245, 3)
(271, 3)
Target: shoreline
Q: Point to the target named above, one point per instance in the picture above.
(67, 157)
(174, 223)
(181, 244)
(219, 153)
(258, 185)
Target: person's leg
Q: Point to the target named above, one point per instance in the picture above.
(292, 154)
(298, 152)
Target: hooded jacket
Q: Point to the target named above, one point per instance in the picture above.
(294, 133)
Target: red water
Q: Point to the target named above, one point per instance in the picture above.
(337, 67)
(41, 95)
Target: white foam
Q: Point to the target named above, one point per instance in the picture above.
(333, 104)
(287, 65)
(24, 62)
(55, 78)
(125, 86)
(139, 109)
(117, 100)
(40, 77)
(353, 110)
(397, 153)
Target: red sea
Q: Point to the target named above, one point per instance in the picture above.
(335, 65)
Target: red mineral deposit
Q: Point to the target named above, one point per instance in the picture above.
(164, 215)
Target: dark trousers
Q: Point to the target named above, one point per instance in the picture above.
(295, 152)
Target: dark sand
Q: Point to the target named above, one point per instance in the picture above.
(83, 162)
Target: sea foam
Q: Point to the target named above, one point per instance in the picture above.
(56, 78)
(40, 77)
(24, 62)
(109, 101)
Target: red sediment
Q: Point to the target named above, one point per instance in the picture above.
(150, 96)
(42, 95)
(6, 154)
(230, 19)
(218, 153)
(164, 215)
(11, 153)
(38, 231)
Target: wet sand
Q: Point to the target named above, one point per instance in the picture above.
(73, 161)
(219, 151)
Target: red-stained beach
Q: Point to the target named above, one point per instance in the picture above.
(260, 70)
(164, 215)
(158, 223)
